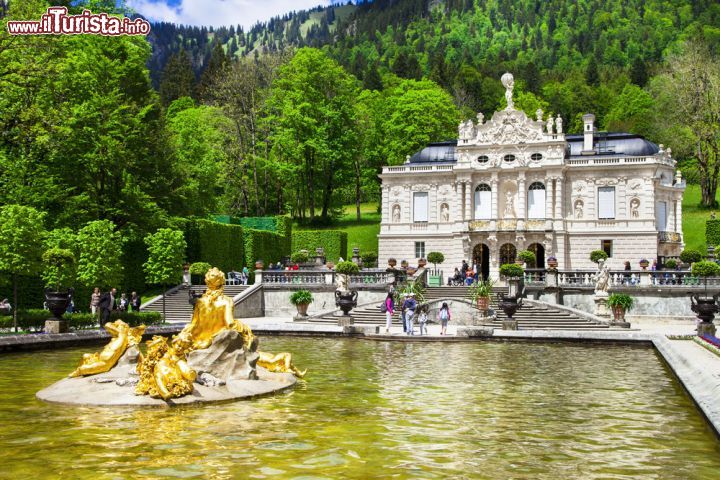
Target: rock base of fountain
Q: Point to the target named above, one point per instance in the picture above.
(56, 326)
(225, 372)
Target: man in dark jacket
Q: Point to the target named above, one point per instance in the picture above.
(107, 304)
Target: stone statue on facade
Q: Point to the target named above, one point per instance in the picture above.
(579, 209)
(396, 214)
(550, 122)
(445, 213)
(602, 279)
(480, 119)
(509, 205)
(508, 82)
(559, 124)
(466, 130)
(539, 114)
(635, 208)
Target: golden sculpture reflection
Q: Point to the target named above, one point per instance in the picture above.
(101, 362)
(282, 362)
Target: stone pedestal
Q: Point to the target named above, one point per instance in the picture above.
(346, 321)
(645, 278)
(601, 308)
(56, 326)
(551, 278)
(620, 324)
(706, 328)
(510, 325)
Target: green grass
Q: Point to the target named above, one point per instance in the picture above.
(362, 234)
(694, 219)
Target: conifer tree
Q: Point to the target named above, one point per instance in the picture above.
(177, 78)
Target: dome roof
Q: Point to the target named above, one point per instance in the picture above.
(614, 144)
(440, 152)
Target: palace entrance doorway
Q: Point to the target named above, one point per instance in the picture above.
(508, 253)
(481, 258)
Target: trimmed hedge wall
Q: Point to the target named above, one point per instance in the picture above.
(35, 319)
(712, 232)
(263, 245)
(333, 241)
(219, 244)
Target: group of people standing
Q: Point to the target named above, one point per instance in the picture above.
(408, 311)
(103, 303)
(465, 275)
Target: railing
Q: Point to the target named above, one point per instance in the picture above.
(418, 168)
(636, 278)
(617, 160)
(323, 277)
(534, 276)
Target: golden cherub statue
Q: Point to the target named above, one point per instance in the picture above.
(164, 372)
(101, 362)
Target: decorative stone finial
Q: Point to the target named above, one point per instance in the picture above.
(550, 122)
(508, 82)
(539, 114)
(559, 124)
(407, 159)
(480, 118)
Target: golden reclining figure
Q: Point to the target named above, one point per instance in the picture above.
(101, 362)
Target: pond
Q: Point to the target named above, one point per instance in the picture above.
(380, 409)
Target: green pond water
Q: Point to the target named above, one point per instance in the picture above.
(380, 410)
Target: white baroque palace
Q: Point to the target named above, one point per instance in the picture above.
(514, 183)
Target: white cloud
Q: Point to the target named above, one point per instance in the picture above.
(219, 12)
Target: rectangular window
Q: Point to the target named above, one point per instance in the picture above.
(606, 202)
(420, 207)
(607, 247)
(483, 207)
(419, 249)
(662, 216)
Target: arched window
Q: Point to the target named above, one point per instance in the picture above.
(508, 252)
(483, 159)
(509, 158)
(483, 199)
(536, 157)
(536, 200)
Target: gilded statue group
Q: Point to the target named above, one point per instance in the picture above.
(164, 371)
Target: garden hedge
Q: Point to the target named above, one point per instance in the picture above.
(35, 319)
(219, 244)
(263, 245)
(333, 241)
(712, 232)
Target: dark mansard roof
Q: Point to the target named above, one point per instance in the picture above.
(613, 143)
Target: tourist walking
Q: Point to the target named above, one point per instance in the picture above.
(124, 302)
(107, 305)
(409, 306)
(389, 311)
(135, 302)
(422, 320)
(94, 301)
(444, 317)
(402, 312)
(186, 275)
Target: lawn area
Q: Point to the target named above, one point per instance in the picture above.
(362, 234)
(694, 219)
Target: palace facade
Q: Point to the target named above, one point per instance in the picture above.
(514, 183)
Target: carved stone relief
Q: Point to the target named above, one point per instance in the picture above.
(396, 213)
(635, 208)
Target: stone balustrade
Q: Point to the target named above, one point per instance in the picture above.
(318, 277)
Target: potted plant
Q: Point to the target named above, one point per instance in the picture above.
(620, 303)
(301, 299)
(404, 264)
(597, 255)
(198, 271)
(435, 277)
(259, 264)
(345, 298)
(512, 270)
(644, 263)
(527, 257)
(479, 292)
(552, 262)
(59, 271)
(422, 262)
(690, 256)
(391, 263)
(671, 264)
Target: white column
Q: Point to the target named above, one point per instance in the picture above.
(549, 198)
(678, 217)
(495, 194)
(386, 204)
(468, 201)
(558, 199)
(522, 198)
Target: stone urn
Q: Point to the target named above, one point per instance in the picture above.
(302, 309)
(421, 263)
(259, 264)
(619, 314)
(392, 262)
(483, 303)
(705, 308)
(552, 262)
(57, 303)
(644, 264)
(346, 301)
(510, 305)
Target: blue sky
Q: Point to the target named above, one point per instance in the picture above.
(219, 12)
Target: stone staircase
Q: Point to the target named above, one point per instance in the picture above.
(177, 306)
(531, 316)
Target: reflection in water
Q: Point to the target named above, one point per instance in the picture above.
(373, 409)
